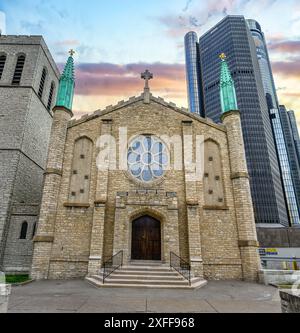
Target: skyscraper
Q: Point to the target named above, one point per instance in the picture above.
(273, 106)
(232, 36)
(193, 75)
(291, 149)
(295, 131)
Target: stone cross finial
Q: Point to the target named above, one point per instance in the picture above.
(222, 56)
(71, 52)
(147, 76)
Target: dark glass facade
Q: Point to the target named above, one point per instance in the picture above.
(193, 74)
(273, 107)
(232, 36)
(295, 131)
(291, 145)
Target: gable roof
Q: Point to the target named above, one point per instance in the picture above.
(132, 100)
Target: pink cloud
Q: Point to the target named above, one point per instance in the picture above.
(290, 69)
(113, 79)
(289, 46)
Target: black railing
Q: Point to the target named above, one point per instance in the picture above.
(181, 266)
(111, 265)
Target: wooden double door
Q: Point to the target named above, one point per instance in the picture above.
(146, 239)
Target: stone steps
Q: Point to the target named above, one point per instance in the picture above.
(146, 273)
(146, 276)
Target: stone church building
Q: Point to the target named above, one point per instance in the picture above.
(91, 210)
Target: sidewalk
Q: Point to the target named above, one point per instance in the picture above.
(79, 296)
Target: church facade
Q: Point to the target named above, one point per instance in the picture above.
(127, 179)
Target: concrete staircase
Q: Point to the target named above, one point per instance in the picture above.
(146, 275)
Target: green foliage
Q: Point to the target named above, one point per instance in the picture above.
(16, 278)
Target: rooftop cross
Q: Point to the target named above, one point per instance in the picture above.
(223, 56)
(71, 52)
(147, 76)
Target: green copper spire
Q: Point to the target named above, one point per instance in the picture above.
(227, 89)
(66, 85)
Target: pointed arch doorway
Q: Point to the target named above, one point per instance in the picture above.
(146, 239)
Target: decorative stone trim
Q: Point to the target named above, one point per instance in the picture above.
(43, 239)
(237, 175)
(229, 113)
(77, 205)
(62, 108)
(192, 203)
(248, 243)
(100, 202)
(95, 258)
(53, 171)
(69, 260)
(199, 260)
(215, 207)
(107, 121)
(187, 122)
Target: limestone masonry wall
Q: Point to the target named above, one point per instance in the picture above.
(74, 238)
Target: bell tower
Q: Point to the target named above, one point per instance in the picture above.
(247, 236)
(62, 114)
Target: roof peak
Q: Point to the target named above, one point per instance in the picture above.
(140, 98)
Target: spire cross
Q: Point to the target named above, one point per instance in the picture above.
(71, 52)
(223, 56)
(147, 76)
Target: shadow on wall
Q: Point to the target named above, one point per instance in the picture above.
(279, 237)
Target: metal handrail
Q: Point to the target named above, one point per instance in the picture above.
(112, 265)
(181, 266)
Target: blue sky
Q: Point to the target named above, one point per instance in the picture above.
(127, 35)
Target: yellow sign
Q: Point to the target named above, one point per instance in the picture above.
(272, 251)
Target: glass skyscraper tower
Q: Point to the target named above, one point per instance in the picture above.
(193, 75)
(295, 132)
(273, 106)
(233, 37)
(291, 134)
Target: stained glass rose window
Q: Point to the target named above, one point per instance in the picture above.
(147, 158)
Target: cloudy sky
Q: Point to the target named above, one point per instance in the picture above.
(117, 39)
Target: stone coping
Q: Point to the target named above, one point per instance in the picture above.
(76, 205)
(134, 99)
(215, 207)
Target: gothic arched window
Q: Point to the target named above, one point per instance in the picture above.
(42, 82)
(18, 70)
(51, 93)
(34, 230)
(213, 175)
(2, 64)
(81, 171)
(24, 228)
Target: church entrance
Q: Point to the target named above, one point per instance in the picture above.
(146, 239)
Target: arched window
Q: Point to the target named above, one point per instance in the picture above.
(42, 82)
(2, 64)
(18, 70)
(34, 230)
(51, 93)
(213, 175)
(24, 229)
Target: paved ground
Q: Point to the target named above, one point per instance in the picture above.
(79, 296)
